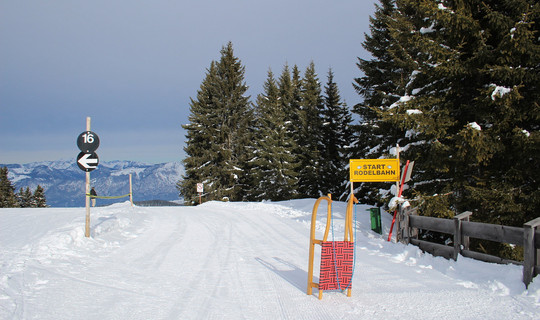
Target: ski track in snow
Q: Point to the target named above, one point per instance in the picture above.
(232, 261)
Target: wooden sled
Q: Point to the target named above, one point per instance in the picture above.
(336, 256)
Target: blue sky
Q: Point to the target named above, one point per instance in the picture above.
(133, 65)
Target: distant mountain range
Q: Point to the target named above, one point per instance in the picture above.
(64, 182)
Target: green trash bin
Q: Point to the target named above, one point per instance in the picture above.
(375, 214)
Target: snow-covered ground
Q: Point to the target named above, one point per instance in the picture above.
(232, 261)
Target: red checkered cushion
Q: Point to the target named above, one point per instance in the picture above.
(343, 251)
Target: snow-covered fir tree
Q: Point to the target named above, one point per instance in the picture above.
(24, 197)
(468, 102)
(383, 84)
(8, 198)
(38, 198)
(273, 167)
(337, 137)
(310, 138)
(218, 132)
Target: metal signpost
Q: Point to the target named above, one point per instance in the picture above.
(87, 160)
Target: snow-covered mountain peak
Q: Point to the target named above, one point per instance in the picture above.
(64, 182)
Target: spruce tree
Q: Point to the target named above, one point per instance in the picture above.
(296, 105)
(310, 138)
(337, 138)
(289, 94)
(199, 138)
(382, 86)
(24, 198)
(273, 166)
(38, 198)
(469, 108)
(294, 112)
(289, 86)
(218, 133)
(508, 102)
(7, 191)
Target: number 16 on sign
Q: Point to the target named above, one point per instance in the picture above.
(200, 189)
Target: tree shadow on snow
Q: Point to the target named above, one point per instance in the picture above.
(287, 271)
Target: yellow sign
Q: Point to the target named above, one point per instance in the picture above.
(374, 170)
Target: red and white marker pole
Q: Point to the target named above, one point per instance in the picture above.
(399, 195)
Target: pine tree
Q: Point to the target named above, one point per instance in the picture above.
(310, 139)
(289, 93)
(336, 137)
(38, 198)
(469, 108)
(294, 113)
(382, 75)
(218, 133)
(7, 191)
(508, 102)
(295, 106)
(24, 198)
(290, 96)
(274, 162)
(477, 91)
(382, 86)
(200, 135)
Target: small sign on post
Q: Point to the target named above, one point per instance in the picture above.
(87, 160)
(88, 141)
(200, 190)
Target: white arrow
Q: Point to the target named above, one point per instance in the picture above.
(85, 162)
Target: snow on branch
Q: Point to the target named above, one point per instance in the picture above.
(401, 100)
(499, 91)
(442, 7)
(414, 111)
(474, 125)
(429, 29)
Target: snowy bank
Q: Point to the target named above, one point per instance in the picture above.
(230, 261)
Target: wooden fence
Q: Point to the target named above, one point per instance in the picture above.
(462, 230)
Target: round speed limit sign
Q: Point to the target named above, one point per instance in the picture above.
(88, 141)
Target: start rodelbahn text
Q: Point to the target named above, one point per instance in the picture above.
(374, 170)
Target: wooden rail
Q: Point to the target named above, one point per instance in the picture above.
(462, 230)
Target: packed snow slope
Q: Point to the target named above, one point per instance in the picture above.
(232, 261)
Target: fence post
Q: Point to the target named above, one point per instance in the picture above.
(407, 232)
(398, 224)
(530, 253)
(459, 240)
(404, 225)
(130, 190)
